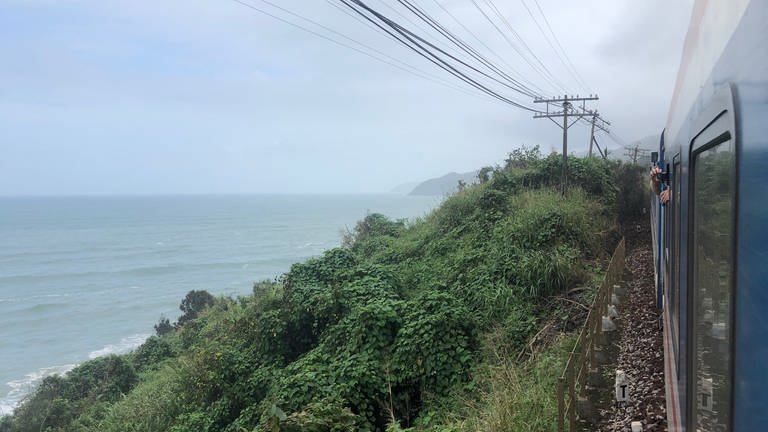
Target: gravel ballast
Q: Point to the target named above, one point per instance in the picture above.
(640, 349)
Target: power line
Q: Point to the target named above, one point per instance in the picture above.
(375, 26)
(501, 16)
(394, 62)
(549, 42)
(543, 71)
(427, 50)
(413, 23)
(565, 53)
(418, 44)
(462, 45)
(471, 33)
(435, 55)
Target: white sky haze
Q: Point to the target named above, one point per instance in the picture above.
(209, 96)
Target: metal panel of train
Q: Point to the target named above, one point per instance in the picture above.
(710, 239)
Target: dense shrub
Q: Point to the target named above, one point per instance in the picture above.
(372, 225)
(163, 326)
(433, 351)
(58, 401)
(153, 351)
(193, 303)
(633, 192)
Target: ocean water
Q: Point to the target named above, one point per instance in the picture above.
(82, 277)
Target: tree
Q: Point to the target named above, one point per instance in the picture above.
(484, 174)
(194, 302)
(163, 326)
(373, 225)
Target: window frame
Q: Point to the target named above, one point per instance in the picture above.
(675, 199)
(716, 124)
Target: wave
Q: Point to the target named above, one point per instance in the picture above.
(140, 271)
(22, 387)
(44, 307)
(311, 244)
(126, 345)
(34, 297)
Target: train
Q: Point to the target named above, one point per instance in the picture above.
(710, 240)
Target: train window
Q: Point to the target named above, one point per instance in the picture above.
(674, 300)
(712, 259)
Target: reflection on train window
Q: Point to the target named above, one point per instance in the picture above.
(674, 307)
(713, 229)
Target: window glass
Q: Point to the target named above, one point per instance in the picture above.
(713, 230)
(674, 303)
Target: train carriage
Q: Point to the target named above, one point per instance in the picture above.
(710, 239)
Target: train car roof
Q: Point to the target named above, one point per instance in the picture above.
(712, 24)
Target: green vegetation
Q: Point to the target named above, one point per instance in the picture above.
(407, 325)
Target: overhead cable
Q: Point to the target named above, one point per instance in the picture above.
(539, 91)
(389, 60)
(557, 41)
(434, 54)
(541, 70)
(462, 45)
(568, 68)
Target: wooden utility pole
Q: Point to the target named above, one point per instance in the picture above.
(603, 126)
(564, 174)
(566, 103)
(635, 152)
(592, 134)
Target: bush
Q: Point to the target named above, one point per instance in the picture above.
(326, 415)
(58, 401)
(153, 406)
(328, 270)
(163, 327)
(153, 351)
(633, 192)
(433, 350)
(193, 303)
(104, 378)
(373, 225)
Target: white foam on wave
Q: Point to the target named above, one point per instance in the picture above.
(126, 345)
(22, 387)
(311, 245)
(34, 297)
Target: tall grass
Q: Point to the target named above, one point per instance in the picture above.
(152, 406)
(513, 396)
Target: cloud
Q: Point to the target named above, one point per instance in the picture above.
(197, 96)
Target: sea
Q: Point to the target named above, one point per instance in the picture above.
(83, 277)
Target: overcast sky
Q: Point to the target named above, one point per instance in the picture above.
(209, 96)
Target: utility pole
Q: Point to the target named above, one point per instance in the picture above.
(566, 103)
(592, 135)
(634, 153)
(564, 174)
(602, 126)
(631, 153)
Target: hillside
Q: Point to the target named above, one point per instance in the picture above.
(445, 185)
(431, 325)
(404, 188)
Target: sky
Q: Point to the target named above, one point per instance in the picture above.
(111, 97)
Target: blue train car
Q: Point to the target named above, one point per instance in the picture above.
(711, 239)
